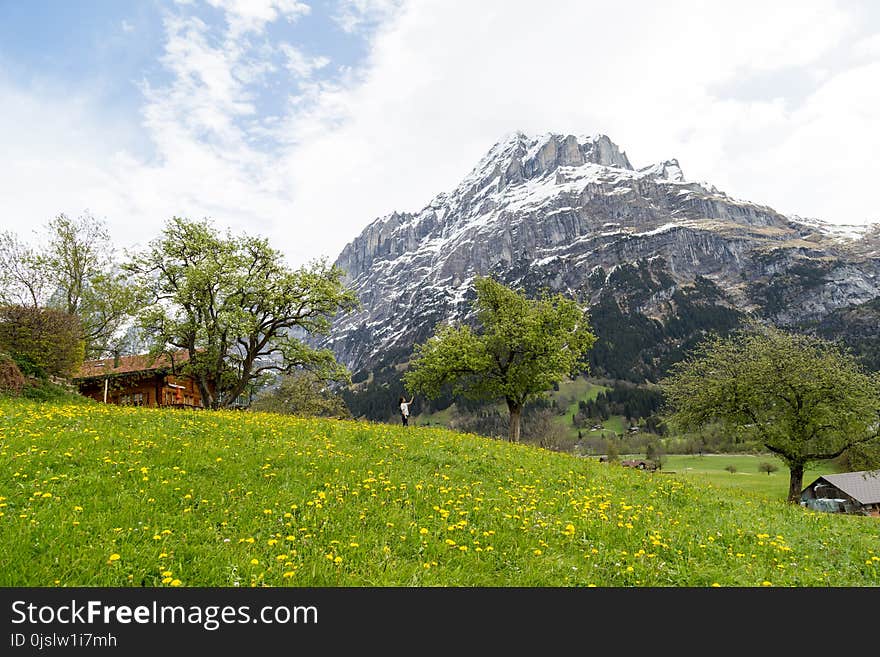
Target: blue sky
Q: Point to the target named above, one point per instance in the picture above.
(303, 121)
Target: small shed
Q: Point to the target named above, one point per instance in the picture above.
(639, 464)
(140, 380)
(847, 492)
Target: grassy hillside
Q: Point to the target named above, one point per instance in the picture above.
(570, 394)
(102, 495)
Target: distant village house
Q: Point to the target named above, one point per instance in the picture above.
(140, 380)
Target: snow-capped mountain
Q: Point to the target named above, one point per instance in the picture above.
(649, 250)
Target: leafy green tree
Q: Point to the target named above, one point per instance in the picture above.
(302, 393)
(236, 308)
(766, 466)
(612, 453)
(81, 264)
(804, 398)
(74, 272)
(654, 453)
(23, 281)
(861, 457)
(520, 348)
(42, 341)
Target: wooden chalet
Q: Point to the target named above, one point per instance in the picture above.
(139, 380)
(847, 492)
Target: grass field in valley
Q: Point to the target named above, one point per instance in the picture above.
(100, 495)
(746, 476)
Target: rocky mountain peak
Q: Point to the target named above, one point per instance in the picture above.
(569, 213)
(666, 170)
(521, 157)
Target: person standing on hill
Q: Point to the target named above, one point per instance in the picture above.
(404, 410)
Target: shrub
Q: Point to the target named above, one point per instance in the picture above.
(43, 390)
(766, 466)
(302, 393)
(11, 378)
(611, 451)
(540, 427)
(42, 341)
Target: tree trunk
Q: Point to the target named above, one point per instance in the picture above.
(515, 415)
(795, 483)
(208, 399)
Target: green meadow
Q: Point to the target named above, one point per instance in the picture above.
(101, 495)
(745, 474)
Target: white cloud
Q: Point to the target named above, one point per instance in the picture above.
(245, 16)
(442, 81)
(300, 64)
(821, 162)
(356, 15)
(205, 97)
(127, 27)
(64, 154)
(445, 80)
(869, 46)
(56, 160)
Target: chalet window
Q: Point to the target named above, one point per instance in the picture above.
(138, 399)
(124, 400)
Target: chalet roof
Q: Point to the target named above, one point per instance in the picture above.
(129, 365)
(863, 486)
